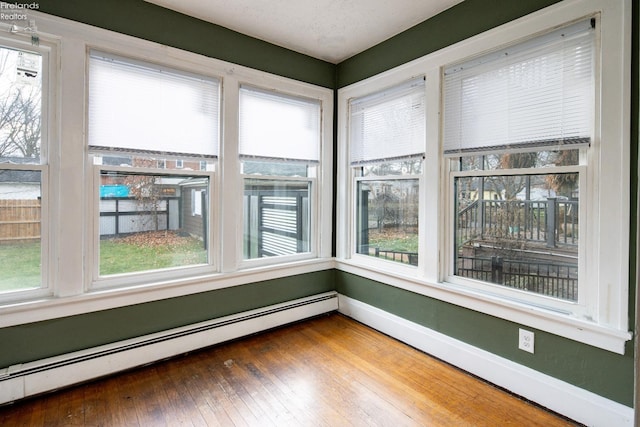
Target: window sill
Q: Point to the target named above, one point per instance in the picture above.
(554, 322)
(39, 309)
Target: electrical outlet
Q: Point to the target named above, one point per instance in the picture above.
(525, 340)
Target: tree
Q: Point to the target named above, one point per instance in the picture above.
(146, 190)
(564, 184)
(20, 109)
(508, 187)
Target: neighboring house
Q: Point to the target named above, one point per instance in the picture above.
(19, 185)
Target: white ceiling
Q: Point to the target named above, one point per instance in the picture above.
(331, 30)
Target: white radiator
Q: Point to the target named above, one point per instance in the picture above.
(29, 379)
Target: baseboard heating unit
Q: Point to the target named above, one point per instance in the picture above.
(33, 378)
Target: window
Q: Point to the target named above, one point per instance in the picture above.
(518, 125)
(387, 140)
(280, 155)
(150, 215)
(24, 171)
(524, 186)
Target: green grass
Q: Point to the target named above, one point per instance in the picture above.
(20, 263)
(394, 241)
(19, 266)
(117, 257)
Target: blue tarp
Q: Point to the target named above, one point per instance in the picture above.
(114, 191)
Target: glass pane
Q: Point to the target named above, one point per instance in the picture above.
(387, 218)
(538, 159)
(520, 232)
(150, 222)
(276, 168)
(20, 106)
(277, 217)
(20, 241)
(125, 159)
(400, 168)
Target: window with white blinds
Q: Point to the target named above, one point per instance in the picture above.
(388, 125)
(139, 107)
(539, 93)
(274, 126)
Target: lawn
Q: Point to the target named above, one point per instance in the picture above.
(149, 251)
(19, 266)
(394, 239)
(20, 263)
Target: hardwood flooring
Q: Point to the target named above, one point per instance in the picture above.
(327, 371)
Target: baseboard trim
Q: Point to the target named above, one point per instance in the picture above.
(30, 379)
(573, 402)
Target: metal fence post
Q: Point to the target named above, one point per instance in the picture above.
(496, 269)
(551, 219)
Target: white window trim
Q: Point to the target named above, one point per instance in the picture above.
(71, 290)
(607, 301)
(49, 49)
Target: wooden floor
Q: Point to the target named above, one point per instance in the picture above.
(328, 371)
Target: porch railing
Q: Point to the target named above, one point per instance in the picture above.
(551, 222)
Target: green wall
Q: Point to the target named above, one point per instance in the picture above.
(460, 22)
(38, 340)
(150, 22)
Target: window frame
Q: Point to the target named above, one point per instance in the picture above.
(577, 308)
(319, 228)
(72, 289)
(48, 48)
(602, 317)
(386, 86)
(158, 168)
(364, 259)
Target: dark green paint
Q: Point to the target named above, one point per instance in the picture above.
(38, 340)
(460, 22)
(602, 372)
(150, 22)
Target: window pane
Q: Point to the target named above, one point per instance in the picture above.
(387, 217)
(402, 168)
(519, 231)
(148, 222)
(20, 106)
(293, 169)
(512, 160)
(143, 161)
(20, 214)
(276, 217)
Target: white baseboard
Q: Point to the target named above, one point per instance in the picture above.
(566, 399)
(29, 379)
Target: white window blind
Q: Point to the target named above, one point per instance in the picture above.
(534, 94)
(145, 108)
(274, 126)
(388, 125)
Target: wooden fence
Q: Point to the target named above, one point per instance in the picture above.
(19, 220)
